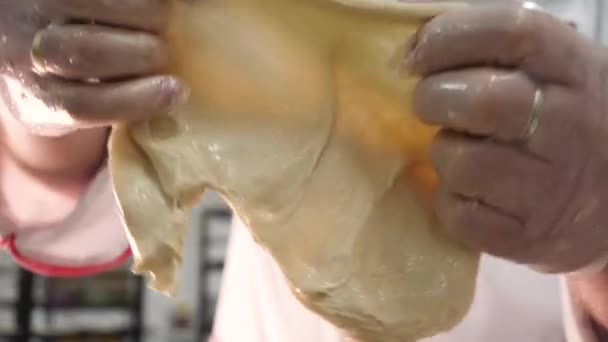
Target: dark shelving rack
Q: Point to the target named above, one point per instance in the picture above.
(25, 303)
(32, 310)
(210, 266)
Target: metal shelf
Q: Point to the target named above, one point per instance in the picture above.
(209, 266)
(25, 305)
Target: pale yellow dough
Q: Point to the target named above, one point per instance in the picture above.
(300, 117)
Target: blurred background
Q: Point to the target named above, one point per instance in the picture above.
(117, 306)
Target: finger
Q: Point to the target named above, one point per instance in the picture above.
(498, 103)
(481, 227)
(494, 173)
(484, 102)
(505, 35)
(108, 103)
(97, 52)
(150, 15)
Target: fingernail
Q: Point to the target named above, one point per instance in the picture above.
(401, 62)
(439, 155)
(410, 50)
(437, 160)
(177, 92)
(409, 54)
(36, 54)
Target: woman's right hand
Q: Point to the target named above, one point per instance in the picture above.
(69, 64)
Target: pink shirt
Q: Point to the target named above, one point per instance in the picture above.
(71, 232)
(79, 232)
(512, 303)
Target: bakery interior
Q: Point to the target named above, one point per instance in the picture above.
(117, 305)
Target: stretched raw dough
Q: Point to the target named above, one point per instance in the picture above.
(299, 118)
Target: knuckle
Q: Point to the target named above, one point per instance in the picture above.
(520, 29)
(153, 51)
(465, 168)
(62, 98)
(73, 103)
(437, 151)
(444, 207)
(429, 32)
(465, 212)
(518, 21)
(457, 213)
(422, 98)
(453, 155)
(488, 102)
(486, 99)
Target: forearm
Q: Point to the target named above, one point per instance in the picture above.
(74, 157)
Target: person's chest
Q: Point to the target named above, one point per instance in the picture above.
(512, 303)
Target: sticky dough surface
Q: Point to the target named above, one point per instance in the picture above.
(300, 118)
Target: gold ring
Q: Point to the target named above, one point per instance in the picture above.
(534, 116)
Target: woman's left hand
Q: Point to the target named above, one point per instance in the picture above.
(522, 156)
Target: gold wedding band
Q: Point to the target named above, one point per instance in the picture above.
(533, 117)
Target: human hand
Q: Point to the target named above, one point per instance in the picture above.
(67, 64)
(522, 156)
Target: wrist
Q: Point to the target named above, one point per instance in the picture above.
(597, 266)
(72, 157)
(591, 293)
